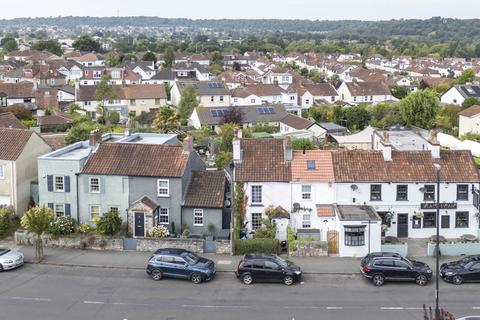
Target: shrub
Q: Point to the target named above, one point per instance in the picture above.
(62, 226)
(186, 233)
(9, 222)
(85, 228)
(158, 232)
(109, 224)
(257, 245)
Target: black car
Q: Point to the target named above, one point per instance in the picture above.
(180, 263)
(258, 267)
(386, 266)
(466, 269)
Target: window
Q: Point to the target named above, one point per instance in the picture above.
(429, 192)
(88, 103)
(332, 99)
(256, 194)
(354, 99)
(375, 192)
(401, 264)
(94, 211)
(385, 218)
(307, 101)
(198, 217)
(256, 220)
(306, 191)
(462, 192)
(306, 222)
(416, 223)
(94, 184)
(59, 185)
(270, 265)
(212, 98)
(402, 192)
(252, 100)
(429, 219)
(2, 171)
(445, 222)
(355, 236)
(164, 216)
(157, 102)
(163, 188)
(292, 98)
(285, 79)
(461, 219)
(59, 210)
(311, 165)
(221, 98)
(235, 99)
(371, 98)
(384, 263)
(114, 210)
(133, 102)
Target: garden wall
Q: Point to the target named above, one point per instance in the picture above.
(455, 249)
(300, 248)
(400, 248)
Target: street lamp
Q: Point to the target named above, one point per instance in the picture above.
(437, 246)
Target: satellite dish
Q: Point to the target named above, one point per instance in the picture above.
(354, 187)
(227, 203)
(422, 189)
(296, 205)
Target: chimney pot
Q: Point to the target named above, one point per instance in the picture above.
(188, 144)
(95, 137)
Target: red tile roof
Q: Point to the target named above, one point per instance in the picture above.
(471, 111)
(296, 122)
(206, 190)
(8, 120)
(324, 210)
(323, 171)
(12, 142)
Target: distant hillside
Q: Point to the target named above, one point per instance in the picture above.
(436, 28)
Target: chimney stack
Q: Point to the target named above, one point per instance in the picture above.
(434, 145)
(287, 149)
(386, 146)
(188, 144)
(95, 137)
(237, 152)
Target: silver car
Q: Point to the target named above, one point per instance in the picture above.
(10, 259)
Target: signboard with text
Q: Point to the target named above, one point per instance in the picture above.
(444, 205)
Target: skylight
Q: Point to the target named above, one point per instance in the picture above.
(311, 165)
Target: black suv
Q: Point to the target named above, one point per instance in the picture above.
(466, 269)
(259, 267)
(180, 263)
(381, 266)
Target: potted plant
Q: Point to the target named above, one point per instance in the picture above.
(173, 234)
(211, 230)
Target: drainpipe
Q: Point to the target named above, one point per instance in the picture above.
(76, 202)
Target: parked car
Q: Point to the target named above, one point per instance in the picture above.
(258, 267)
(10, 259)
(470, 318)
(466, 269)
(180, 263)
(387, 266)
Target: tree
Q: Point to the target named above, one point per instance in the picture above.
(233, 115)
(169, 58)
(37, 220)
(150, 56)
(166, 119)
(302, 143)
(358, 117)
(103, 93)
(109, 224)
(227, 131)
(9, 44)
(468, 75)
(215, 69)
(385, 115)
(470, 101)
(80, 132)
(49, 45)
(471, 136)
(268, 230)
(188, 102)
(112, 60)
(86, 43)
(216, 58)
(222, 159)
(113, 117)
(400, 92)
(420, 109)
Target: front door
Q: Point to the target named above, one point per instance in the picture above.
(402, 226)
(139, 224)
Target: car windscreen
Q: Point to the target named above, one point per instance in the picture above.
(190, 257)
(4, 251)
(281, 261)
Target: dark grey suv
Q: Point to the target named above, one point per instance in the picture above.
(180, 263)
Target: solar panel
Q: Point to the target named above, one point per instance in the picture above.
(270, 110)
(214, 112)
(260, 110)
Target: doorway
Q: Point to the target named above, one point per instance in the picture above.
(139, 224)
(402, 225)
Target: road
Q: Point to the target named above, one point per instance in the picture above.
(52, 292)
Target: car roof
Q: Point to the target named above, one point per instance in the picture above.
(384, 255)
(251, 256)
(176, 251)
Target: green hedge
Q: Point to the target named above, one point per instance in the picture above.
(257, 245)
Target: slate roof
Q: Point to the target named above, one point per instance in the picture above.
(323, 171)
(251, 114)
(470, 111)
(263, 161)
(406, 166)
(164, 74)
(137, 160)
(12, 142)
(468, 90)
(87, 93)
(8, 120)
(206, 190)
(296, 122)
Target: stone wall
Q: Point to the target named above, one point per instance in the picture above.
(308, 249)
(194, 245)
(94, 242)
(224, 247)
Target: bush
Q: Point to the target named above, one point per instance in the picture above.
(257, 245)
(109, 224)
(186, 233)
(158, 232)
(85, 228)
(62, 226)
(9, 222)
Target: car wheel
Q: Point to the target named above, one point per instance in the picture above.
(196, 278)
(247, 279)
(421, 280)
(288, 280)
(378, 280)
(157, 275)
(457, 280)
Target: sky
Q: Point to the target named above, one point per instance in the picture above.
(254, 9)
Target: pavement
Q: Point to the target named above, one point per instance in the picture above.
(47, 292)
(135, 260)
